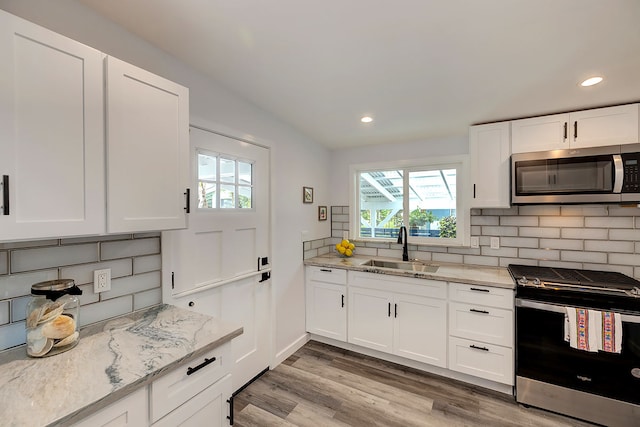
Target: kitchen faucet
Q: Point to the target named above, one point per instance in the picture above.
(405, 254)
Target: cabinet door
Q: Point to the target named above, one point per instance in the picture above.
(130, 411)
(51, 133)
(326, 310)
(370, 319)
(147, 150)
(605, 126)
(420, 329)
(208, 408)
(540, 133)
(489, 151)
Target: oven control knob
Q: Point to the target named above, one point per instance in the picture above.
(536, 281)
(523, 280)
(635, 372)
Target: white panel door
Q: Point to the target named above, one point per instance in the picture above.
(370, 319)
(217, 255)
(147, 150)
(420, 329)
(51, 134)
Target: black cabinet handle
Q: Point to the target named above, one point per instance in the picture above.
(478, 311)
(575, 130)
(188, 197)
(191, 370)
(326, 270)
(479, 348)
(474, 191)
(479, 290)
(395, 310)
(389, 312)
(5, 194)
(565, 130)
(230, 416)
(343, 300)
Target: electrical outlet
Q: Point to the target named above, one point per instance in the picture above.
(475, 242)
(495, 243)
(102, 280)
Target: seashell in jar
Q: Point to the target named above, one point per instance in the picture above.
(68, 340)
(51, 310)
(34, 316)
(40, 347)
(60, 327)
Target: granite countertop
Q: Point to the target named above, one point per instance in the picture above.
(112, 359)
(462, 273)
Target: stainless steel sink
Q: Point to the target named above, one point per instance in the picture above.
(403, 265)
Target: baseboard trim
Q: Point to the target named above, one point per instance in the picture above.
(283, 354)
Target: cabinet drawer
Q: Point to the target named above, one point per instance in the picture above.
(488, 361)
(177, 387)
(477, 322)
(130, 411)
(484, 295)
(327, 274)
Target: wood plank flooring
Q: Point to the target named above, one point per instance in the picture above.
(322, 385)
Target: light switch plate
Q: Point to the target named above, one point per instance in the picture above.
(495, 243)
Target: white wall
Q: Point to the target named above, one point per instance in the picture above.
(342, 159)
(296, 160)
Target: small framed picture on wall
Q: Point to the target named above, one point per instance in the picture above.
(307, 194)
(322, 213)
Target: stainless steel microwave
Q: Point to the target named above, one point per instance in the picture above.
(586, 175)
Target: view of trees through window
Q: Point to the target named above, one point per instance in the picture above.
(428, 195)
(224, 183)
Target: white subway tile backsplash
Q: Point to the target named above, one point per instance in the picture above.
(609, 222)
(620, 234)
(485, 220)
(441, 257)
(4, 262)
(481, 260)
(499, 231)
(147, 298)
(624, 269)
(540, 210)
(561, 264)
(143, 264)
(539, 254)
(561, 221)
(102, 310)
(586, 210)
(76, 240)
(464, 251)
(503, 251)
(585, 233)
(624, 259)
(17, 285)
(339, 218)
(504, 262)
(29, 244)
(501, 212)
(390, 253)
(523, 221)
(133, 284)
(83, 273)
(364, 251)
(581, 256)
(41, 258)
(516, 242)
(547, 232)
(609, 246)
(19, 308)
(616, 210)
(571, 244)
(4, 312)
(315, 244)
(129, 248)
(12, 335)
(88, 296)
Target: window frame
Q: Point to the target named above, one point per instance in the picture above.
(463, 213)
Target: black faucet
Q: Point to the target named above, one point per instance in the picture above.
(405, 254)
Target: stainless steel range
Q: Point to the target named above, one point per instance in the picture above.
(578, 343)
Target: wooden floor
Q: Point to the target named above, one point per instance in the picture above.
(321, 385)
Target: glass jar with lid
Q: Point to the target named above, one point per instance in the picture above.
(52, 317)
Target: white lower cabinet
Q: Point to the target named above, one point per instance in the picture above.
(130, 411)
(393, 315)
(326, 295)
(481, 336)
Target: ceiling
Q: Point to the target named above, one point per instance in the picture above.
(423, 69)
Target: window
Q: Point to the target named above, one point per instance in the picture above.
(424, 196)
(224, 182)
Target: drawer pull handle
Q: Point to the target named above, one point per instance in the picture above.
(480, 290)
(478, 311)
(191, 370)
(479, 348)
(325, 270)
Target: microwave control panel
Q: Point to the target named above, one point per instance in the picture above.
(631, 163)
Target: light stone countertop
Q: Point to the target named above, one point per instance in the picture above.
(112, 359)
(462, 273)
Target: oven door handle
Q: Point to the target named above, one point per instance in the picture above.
(628, 318)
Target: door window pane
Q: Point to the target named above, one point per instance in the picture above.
(227, 170)
(224, 182)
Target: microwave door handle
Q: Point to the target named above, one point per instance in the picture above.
(619, 173)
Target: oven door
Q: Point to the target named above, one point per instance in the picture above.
(542, 354)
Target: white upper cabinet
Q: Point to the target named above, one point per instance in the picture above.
(147, 150)
(489, 151)
(582, 129)
(51, 133)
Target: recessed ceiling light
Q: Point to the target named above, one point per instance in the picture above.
(591, 81)
(366, 119)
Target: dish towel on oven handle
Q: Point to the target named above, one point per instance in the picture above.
(592, 330)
